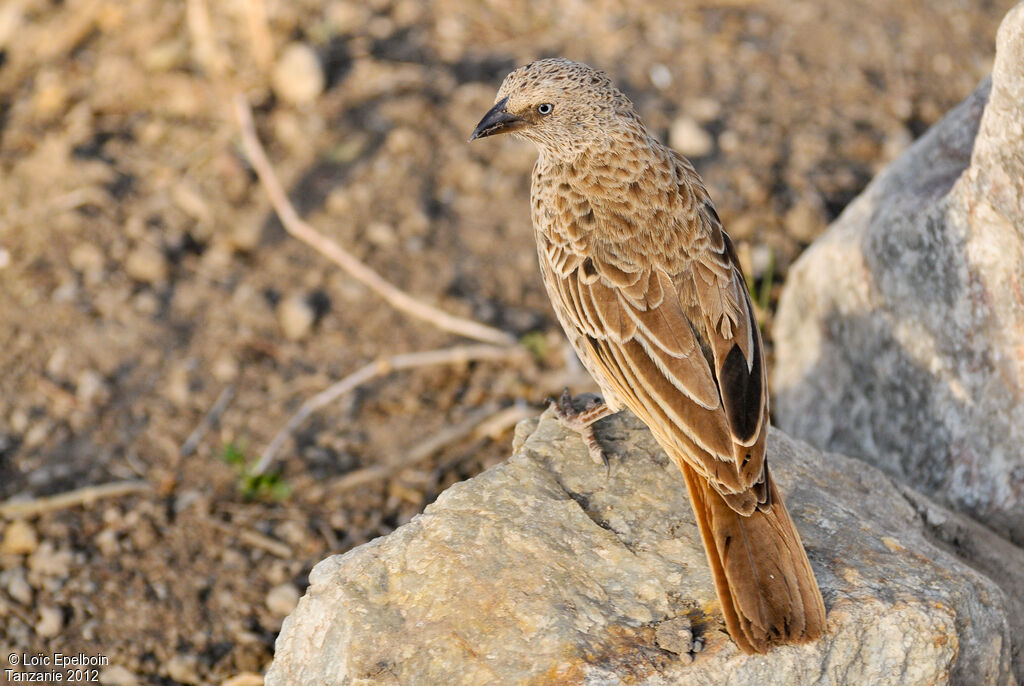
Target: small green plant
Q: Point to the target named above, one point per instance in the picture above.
(253, 486)
(537, 343)
(761, 289)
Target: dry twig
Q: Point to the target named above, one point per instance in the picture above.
(303, 231)
(503, 420)
(205, 49)
(380, 367)
(422, 451)
(79, 496)
(211, 419)
(254, 539)
(260, 39)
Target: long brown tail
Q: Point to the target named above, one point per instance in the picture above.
(764, 581)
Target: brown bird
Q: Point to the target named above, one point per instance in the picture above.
(649, 291)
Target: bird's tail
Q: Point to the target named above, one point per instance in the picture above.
(768, 592)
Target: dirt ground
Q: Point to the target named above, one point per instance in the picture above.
(143, 274)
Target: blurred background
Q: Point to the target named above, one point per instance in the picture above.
(144, 277)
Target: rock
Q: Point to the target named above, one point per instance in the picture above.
(51, 620)
(147, 264)
(298, 77)
(116, 675)
(805, 220)
(178, 385)
(660, 76)
(244, 679)
(48, 561)
(182, 668)
(17, 586)
(688, 137)
(225, 368)
(88, 260)
(108, 543)
(296, 317)
(546, 569)
(282, 599)
(57, 363)
(899, 333)
(702, 109)
(91, 388)
(675, 635)
(245, 236)
(381, 234)
(19, 538)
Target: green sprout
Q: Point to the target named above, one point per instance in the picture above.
(761, 289)
(537, 343)
(254, 486)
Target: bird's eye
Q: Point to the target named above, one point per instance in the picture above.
(546, 108)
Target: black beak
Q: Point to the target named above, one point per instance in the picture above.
(497, 120)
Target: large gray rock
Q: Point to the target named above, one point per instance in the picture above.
(545, 570)
(900, 333)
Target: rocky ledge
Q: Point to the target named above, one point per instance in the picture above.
(547, 569)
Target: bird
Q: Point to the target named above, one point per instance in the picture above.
(648, 289)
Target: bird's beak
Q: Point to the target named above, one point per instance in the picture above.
(497, 120)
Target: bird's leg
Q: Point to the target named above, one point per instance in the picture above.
(581, 421)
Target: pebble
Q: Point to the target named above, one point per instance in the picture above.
(729, 141)
(178, 386)
(296, 317)
(19, 538)
(48, 561)
(347, 17)
(660, 76)
(675, 635)
(51, 620)
(381, 234)
(66, 292)
(225, 369)
(689, 138)
(116, 675)
(703, 109)
(182, 668)
(804, 222)
(87, 260)
(51, 96)
(761, 260)
(19, 420)
(5, 258)
(298, 77)
(245, 235)
(244, 679)
(91, 388)
(107, 542)
(37, 434)
(57, 363)
(217, 257)
(18, 587)
(146, 263)
(282, 599)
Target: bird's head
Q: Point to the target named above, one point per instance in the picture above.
(565, 107)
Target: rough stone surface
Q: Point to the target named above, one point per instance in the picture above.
(546, 570)
(900, 333)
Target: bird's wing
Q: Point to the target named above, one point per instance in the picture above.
(681, 350)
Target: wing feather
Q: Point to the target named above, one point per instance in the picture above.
(680, 348)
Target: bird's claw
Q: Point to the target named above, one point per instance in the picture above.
(581, 421)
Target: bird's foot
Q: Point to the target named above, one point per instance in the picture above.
(581, 421)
